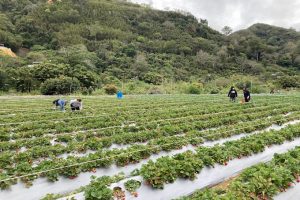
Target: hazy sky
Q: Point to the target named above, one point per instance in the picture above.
(237, 14)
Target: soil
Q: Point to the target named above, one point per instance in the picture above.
(119, 194)
(7, 52)
(224, 185)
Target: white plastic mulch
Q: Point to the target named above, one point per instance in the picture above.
(207, 177)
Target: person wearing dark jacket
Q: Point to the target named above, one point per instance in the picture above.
(247, 96)
(232, 94)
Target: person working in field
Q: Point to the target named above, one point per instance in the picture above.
(60, 103)
(76, 104)
(247, 96)
(232, 94)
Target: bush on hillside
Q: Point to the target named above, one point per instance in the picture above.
(61, 85)
(110, 89)
(288, 82)
(195, 88)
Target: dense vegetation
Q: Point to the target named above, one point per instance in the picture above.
(91, 43)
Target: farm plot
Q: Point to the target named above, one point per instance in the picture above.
(148, 144)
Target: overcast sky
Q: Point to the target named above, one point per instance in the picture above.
(238, 14)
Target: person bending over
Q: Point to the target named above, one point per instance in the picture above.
(60, 103)
(76, 104)
(247, 96)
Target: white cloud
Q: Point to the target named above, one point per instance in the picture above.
(237, 14)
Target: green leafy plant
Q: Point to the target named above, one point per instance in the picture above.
(132, 185)
(98, 190)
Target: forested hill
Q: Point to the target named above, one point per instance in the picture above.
(96, 42)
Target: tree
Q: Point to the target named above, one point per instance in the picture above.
(4, 79)
(129, 50)
(61, 85)
(79, 55)
(86, 77)
(205, 60)
(204, 22)
(227, 30)
(289, 82)
(24, 80)
(153, 78)
(292, 50)
(256, 48)
(140, 67)
(45, 71)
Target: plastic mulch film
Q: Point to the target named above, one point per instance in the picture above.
(292, 193)
(42, 186)
(207, 177)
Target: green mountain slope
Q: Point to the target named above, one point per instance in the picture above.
(271, 44)
(104, 41)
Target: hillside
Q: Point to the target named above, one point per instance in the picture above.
(96, 42)
(273, 44)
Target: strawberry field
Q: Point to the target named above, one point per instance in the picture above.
(150, 147)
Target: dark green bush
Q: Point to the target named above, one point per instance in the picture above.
(61, 85)
(153, 78)
(194, 88)
(288, 82)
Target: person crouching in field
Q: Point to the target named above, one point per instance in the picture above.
(232, 94)
(247, 96)
(60, 103)
(76, 104)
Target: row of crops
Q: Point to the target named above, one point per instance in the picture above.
(147, 147)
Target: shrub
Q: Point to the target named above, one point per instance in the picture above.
(84, 91)
(288, 82)
(242, 85)
(214, 91)
(194, 88)
(153, 78)
(90, 90)
(155, 90)
(37, 48)
(61, 85)
(258, 89)
(4, 86)
(110, 89)
(87, 91)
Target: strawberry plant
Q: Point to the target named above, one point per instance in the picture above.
(64, 138)
(163, 171)
(132, 185)
(23, 169)
(164, 125)
(98, 190)
(187, 166)
(48, 165)
(262, 181)
(6, 184)
(73, 171)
